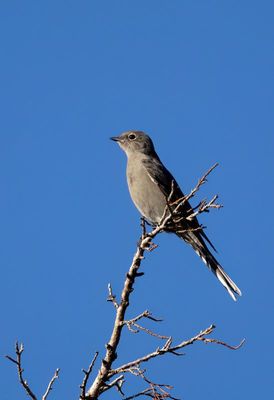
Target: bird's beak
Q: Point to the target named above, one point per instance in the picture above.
(115, 138)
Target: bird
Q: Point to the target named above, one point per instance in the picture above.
(151, 186)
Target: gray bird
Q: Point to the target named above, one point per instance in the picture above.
(151, 185)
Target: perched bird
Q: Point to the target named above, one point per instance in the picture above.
(151, 185)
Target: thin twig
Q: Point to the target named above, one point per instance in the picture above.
(238, 346)
(149, 332)
(144, 314)
(204, 207)
(145, 392)
(117, 382)
(160, 352)
(112, 297)
(200, 182)
(167, 348)
(51, 382)
(86, 377)
(159, 391)
(18, 361)
(133, 322)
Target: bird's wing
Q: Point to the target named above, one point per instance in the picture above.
(164, 179)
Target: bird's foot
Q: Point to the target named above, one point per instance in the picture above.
(152, 246)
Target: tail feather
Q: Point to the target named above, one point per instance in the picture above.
(228, 283)
(204, 253)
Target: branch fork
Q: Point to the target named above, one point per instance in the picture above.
(19, 348)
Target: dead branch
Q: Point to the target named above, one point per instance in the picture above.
(159, 391)
(118, 383)
(200, 182)
(207, 340)
(98, 385)
(161, 351)
(86, 377)
(133, 323)
(18, 361)
(167, 348)
(149, 331)
(146, 392)
(112, 297)
(204, 207)
(50, 385)
(144, 314)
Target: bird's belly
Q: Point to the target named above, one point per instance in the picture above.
(146, 195)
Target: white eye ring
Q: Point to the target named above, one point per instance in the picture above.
(131, 136)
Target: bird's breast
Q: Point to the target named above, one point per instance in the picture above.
(145, 192)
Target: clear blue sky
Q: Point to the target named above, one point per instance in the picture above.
(198, 77)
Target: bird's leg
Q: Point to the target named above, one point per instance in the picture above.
(144, 231)
(151, 246)
(143, 226)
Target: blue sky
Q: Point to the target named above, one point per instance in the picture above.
(198, 77)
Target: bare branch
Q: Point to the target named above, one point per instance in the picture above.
(112, 297)
(207, 340)
(160, 351)
(149, 332)
(146, 392)
(144, 314)
(18, 361)
(102, 376)
(86, 377)
(133, 323)
(117, 382)
(168, 349)
(204, 207)
(200, 182)
(50, 385)
(159, 391)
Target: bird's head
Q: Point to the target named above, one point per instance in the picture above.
(135, 141)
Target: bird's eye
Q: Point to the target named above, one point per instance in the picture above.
(131, 136)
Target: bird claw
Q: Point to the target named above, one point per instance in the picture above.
(152, 247)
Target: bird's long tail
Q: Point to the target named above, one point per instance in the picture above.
(198, 244)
